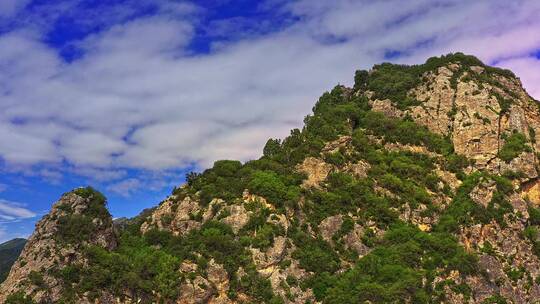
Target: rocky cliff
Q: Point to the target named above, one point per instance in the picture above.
(417, 185)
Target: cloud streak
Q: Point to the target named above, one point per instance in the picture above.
(11, 211)
(138, 97)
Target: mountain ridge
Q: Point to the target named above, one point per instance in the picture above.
(9, 252)
(417, 185)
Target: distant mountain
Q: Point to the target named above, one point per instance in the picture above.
(419, 184)
(9, 252)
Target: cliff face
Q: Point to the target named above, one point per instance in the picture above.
(418, 185)
(478, 111)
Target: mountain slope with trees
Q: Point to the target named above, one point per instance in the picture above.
(417, 185)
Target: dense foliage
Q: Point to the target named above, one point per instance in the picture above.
(514, 145)
(76, 227)
(394, 270)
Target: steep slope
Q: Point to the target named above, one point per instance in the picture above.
(9, 252)
(418, 185)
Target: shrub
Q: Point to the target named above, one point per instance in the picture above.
(514, 145)
(19, 298)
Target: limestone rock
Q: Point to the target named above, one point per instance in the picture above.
(531, 192)
(353, 240)
(316, 169)
(237, 218)
(329, 226)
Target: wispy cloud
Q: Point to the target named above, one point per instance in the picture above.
(139, 98)
(12, 211)
(126, 187)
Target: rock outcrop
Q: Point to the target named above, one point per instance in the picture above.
(77, 220)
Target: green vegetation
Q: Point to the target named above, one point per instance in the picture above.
(19, 298)
(394, 270)
(149, 264)
(393, 81)
(73, 228)
(314, 254)
(514, 145)
(405, 132)
(464, 211)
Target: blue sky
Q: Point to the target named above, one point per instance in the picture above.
(129, 95)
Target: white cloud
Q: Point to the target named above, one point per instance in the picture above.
(126, 187)
(11, 211)
(139, 98)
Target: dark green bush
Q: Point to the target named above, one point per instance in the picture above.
(514, 145)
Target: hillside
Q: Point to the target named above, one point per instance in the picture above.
(9, 252)
(417, 185)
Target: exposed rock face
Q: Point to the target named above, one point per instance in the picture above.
(212, 289)
(470, 113)
(316, 169)
(353, 240)
(178, 217)
(358, 169)
(510, 253)
(330, 226)
(531, 191)
(49, 249)
(237, 217)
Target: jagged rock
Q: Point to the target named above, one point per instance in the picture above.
(358, 169)
(196, 291)
(472, 108)
(531, 192)
(483, 193)
(334, 146)
(409, 148)
(449, 178)
(329, 226)
(238, 217)
(200, 289)
(179, 218)
(353, 240)
(386, 107)
(316, 169)
(267, 261)
(470, 114)
(219, 278)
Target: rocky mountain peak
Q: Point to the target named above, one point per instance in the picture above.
(77, 220)
(484, 111)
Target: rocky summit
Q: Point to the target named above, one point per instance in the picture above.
(417, 185)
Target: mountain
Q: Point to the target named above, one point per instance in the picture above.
(9, 252)
(417, 185)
